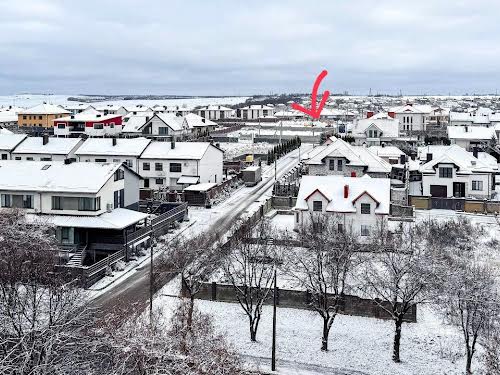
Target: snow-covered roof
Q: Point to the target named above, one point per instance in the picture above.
(134, 123)
(182, 150)
(104, 146)
(258, 106)
(464, 160)
(213, 107)
(411, 109)
(44, 109)
(9, 141)
(138, 108)
(201, 187)
(4, 131)
(386, 151)
(461, 116)
(388, 126)
(332, 187)
(77, 106)
(171, 120)
(8, 116)
(356, 155)
(48, 176)
(55, 146)
(192, 120)
(471, 132)
(118, 219)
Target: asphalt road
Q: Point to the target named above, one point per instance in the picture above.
(134, 291)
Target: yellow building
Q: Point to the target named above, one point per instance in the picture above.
(41, 115)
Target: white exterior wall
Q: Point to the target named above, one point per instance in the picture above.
(353, 220)
(112, 159)
(188, 168)
(211, 166)
(486, 178)
(38, 157)
(416, 121)
(107, 130)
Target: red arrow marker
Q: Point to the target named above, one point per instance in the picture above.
(315, 111)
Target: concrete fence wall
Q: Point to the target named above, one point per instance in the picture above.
(351, 305)
(457, 204)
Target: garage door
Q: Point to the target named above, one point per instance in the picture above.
(439, 191)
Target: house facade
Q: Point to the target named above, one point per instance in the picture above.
(90, 122)
(41, 116)
(46, 148)
(172, 165)
(254, 112)
(8, 143)
(356, 204)
(215, 112)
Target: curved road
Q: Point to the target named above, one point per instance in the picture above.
(134, 291)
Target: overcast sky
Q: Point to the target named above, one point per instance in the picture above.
(237, 47)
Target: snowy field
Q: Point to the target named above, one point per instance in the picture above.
(32, 100)
(235, 149)
(357, 345)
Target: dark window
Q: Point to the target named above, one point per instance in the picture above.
(317, 206)
(28, 201)
(159, 181)
(100, 160)
(332, 164)
(4, 156)
(146, 182)
(64, 234)
(162, 130)
(477, 185)
(365, 230)
(145, 166)
(61, 126)
(18, 158)
(340, 228)
(446, 172)
(45, 159)
(24, 117)
(158, 166)
(6, 200)
(175, 167)
(119, 174)
(89, 204)
(39, 117)
(340, 166)
(98, 126)
(365, 208)
(29, 158)
(57, 203)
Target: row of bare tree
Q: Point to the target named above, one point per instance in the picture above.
(437, 263)
(47, 326)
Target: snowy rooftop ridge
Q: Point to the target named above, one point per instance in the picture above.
(48, 176)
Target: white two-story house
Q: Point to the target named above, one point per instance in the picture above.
(113, 150)
(46, 148)
(453, 172)
(88, 203)
(341, 158)
(175, 165)
(215, 112)
(376, 130)
(356, 204)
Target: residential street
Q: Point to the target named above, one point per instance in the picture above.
(135, 289)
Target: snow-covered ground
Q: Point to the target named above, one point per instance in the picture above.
(244, 147)
(30, 100)
(357, 344)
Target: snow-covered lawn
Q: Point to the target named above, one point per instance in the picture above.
(235, 149)
(356, 343)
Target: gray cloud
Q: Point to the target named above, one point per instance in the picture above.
(234, 47)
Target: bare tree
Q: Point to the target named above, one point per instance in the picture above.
(397, 274)
(249, 267)
(492, 349)
(324, 266)
(42, 315)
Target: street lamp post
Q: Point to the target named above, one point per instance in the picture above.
(273, 354)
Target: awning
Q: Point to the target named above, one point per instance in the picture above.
(188, 180)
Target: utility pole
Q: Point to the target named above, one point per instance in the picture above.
(275, 160)
(273, 353)
(151, 245)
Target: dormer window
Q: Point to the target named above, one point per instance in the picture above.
(317, 206)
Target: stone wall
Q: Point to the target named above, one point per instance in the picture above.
(352, 305)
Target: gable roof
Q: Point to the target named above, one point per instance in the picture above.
(55, 146)
(192, 120)
(8, 142)
(356, 155)
(471, 132)
(462, 159)
(332, 187)
(58, 177)
(104, 146)
(170, 119)
(44, 109)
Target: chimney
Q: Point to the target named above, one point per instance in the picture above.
(346, 191)
(429, 157)
(402, 159)
(72, 116)
(45, 139)
(203, 120)
(391, 114)
(172, 143)
(466, 129)
(369, 114)
(114, 141)
(475, 151)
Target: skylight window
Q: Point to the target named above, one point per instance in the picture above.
(45, 167)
